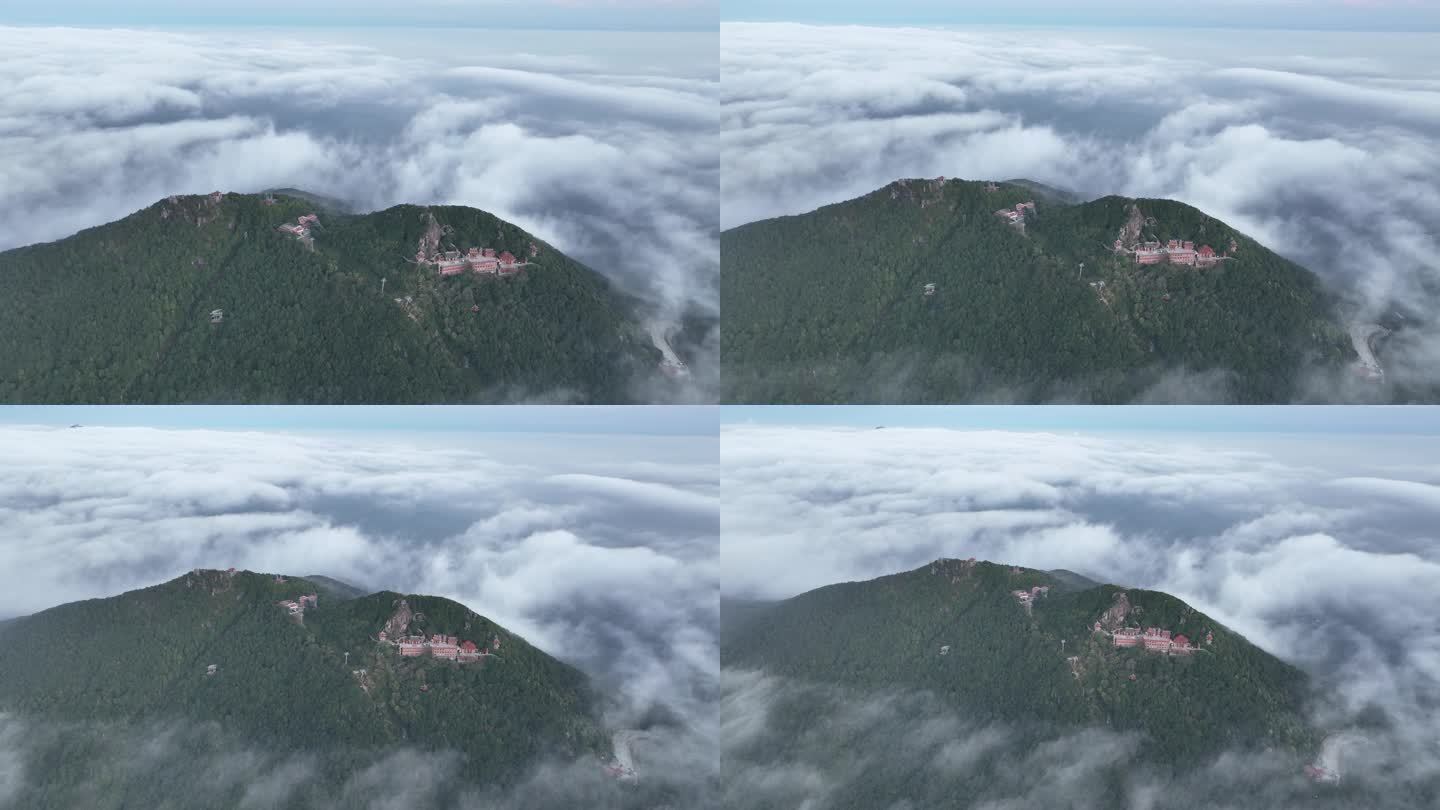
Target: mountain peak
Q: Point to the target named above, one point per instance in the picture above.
(427, 304)
(941, 291)
(1100, 654)
(378, 669)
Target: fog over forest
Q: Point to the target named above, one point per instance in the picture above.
(598, 549)
(1287, 540)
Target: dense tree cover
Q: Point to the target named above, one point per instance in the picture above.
(830, 307)
(119, 313)
(285, 686)
(1005, 666)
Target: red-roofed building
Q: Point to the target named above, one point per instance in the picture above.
(506, 258)
(1156, 640)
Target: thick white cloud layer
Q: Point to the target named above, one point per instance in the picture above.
(1321, 550)
(603, 143)
(1324, 146)
(599, 550)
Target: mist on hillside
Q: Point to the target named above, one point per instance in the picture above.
(599, 550)
(1318, 548)
(1320, 145)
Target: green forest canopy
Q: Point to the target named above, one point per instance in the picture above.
(830, 306)
(120, 313)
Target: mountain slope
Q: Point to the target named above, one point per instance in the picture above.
(121, 313)
(334, 588)
(288, 684)
(1006, 665)
(830, 306)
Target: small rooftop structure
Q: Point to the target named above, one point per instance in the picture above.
(210, 670)
(216, 316)
(929, 289)
(1016, 216)
(1321, 774)
(945, 649)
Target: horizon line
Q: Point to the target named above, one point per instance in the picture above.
(1397, 28)
(324, 25)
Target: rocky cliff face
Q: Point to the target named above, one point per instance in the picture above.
(398, 622)
(1114, 617)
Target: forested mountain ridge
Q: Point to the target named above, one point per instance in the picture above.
(321, 683)
(832, 305)
(956, 629)
(123, 312)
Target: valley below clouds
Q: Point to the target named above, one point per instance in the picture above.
(1323, 146)
(1320, 550)
(600, 550)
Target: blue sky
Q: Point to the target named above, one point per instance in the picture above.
(652, 15)
(596, 419)
(1367, 15)
(1335, 420)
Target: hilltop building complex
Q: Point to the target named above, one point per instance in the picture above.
(439, 645)
(1016, 216)
(300, 229)
(296, 607)
(1174, 251)
(484, 261)
(1153, 639)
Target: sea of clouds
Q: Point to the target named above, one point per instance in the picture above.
(1324, 146)
(1321, 550)
(600, 550)
(602, 143)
